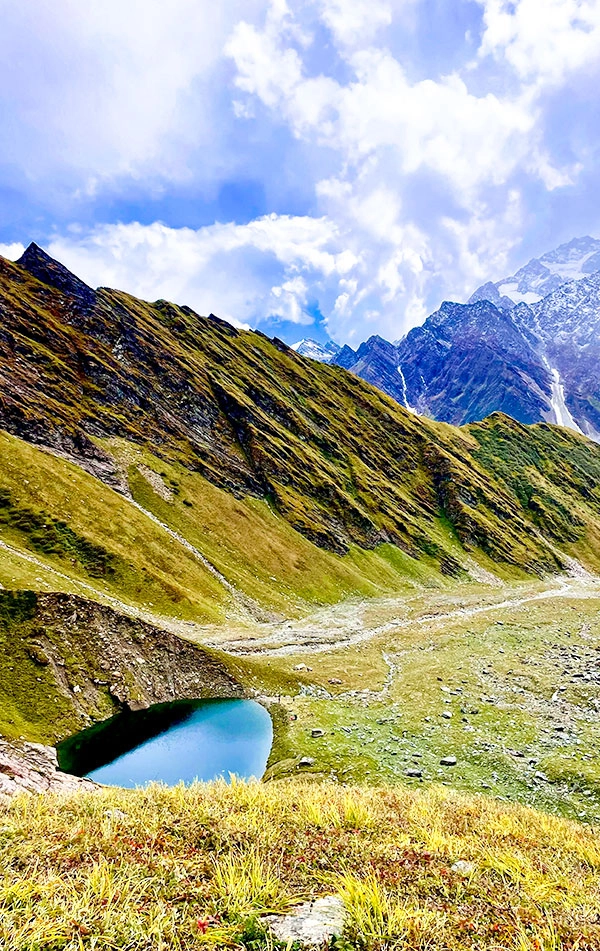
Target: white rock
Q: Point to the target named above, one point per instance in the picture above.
(463, 868)
(310, 924)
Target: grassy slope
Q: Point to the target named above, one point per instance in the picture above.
(187, 868)
(337, 460)
(256, 550)
(139, 564)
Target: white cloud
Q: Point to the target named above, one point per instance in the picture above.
(355, 21)
(11, 251)
(240, 272)
(542, 40)
(107, 88)
(414, 181)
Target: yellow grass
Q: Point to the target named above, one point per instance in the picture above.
(179, 868)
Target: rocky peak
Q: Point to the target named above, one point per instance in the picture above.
(38, 263)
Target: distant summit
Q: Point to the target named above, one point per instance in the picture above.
(527, 346)
(35, 260)
(572, 261)
(323, 352)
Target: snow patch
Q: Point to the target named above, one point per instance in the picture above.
(410, 408)
(561, 413)
(511, 290)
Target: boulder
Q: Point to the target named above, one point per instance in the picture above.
(310, 925)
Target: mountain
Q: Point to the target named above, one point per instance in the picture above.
(542, 276)
(468, 361)
(534, 361)
(198, 422)
(188, 510)
(323, 352)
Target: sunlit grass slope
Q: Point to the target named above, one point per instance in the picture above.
(197, 867)
(81, 534)
(338, 461)
(85, 533)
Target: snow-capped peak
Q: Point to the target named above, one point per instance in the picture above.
(542, 276)
(323, 352)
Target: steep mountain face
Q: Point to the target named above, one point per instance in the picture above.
(534, 361)
(567, 325)
(468, 361)
(542, 276)
(323, 352)
(97, 374)
(375, 361)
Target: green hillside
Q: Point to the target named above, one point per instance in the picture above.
(189, 510)
(136, 391)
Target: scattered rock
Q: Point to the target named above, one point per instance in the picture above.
(447, 715)
(463, 868)
(30, 767)
(334, 680)
(414, 773)
(317, 732)
(306, 761)
(301, 667)
(311, 925)
(448, 761)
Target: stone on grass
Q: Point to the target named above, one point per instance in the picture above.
(463, 868)
(310, 925)
(414, 773)
(317, 732)
(448, 761)
(306, 761)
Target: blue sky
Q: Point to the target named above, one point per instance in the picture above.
(308, 168)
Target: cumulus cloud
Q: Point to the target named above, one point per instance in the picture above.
(355, 21)
(395, 181)
(240, 272)
(390, 135)
(542, 40)
(12, 251)
(126, 88)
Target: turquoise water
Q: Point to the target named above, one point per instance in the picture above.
(173, 743)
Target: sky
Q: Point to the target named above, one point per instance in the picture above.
(310, 168)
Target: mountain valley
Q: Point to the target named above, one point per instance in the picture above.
(192, 511)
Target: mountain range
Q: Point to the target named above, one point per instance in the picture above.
(527, 345)
(151, 397)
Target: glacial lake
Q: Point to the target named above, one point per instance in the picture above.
(172, 743)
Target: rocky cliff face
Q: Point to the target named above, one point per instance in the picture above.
(66, 661)
(527, 346)
(33, 768)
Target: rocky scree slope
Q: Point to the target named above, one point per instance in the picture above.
(67, 661)
(336, 459)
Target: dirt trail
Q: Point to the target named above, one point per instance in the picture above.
(343, 626)
(246, 606)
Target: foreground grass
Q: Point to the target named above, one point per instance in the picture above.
(189, 867)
